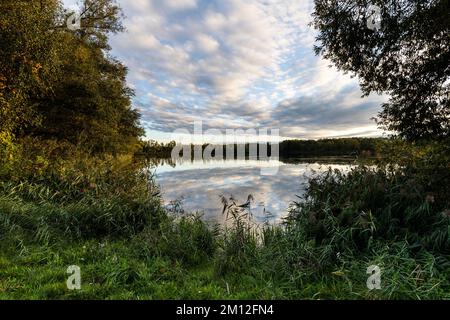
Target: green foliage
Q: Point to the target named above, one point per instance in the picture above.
(57, 191)
(7, 151)
(28, 60)
(407, 58)
(156, 149)
(364, 147)
(354, 212)
(361, 147)
(62, 84)
(91, 104)
(48, 222)
(238, 242)
(184, 239)
(131, 248)
(426, 163)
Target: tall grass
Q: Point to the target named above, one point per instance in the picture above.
(106, 214)
(345, 223)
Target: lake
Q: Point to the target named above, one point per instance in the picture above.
(199, 185)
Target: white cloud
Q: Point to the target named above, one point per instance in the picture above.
(207, 43)
(232, 63)
(180, 4)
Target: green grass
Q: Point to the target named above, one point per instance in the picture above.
(183, 259)
(116, 270)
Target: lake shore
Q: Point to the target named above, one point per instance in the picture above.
(127, 246)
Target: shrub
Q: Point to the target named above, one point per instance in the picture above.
(185, 239)
(63, 192)
(354, 212)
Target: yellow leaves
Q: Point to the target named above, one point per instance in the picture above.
(82, 54)
(2, 83)
(338, 273)
(4, 23)
(35, 69)
(5, 137)
(7, 150)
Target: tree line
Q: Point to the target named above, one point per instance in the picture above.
(361, 147)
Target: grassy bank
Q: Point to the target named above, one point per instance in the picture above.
(105, 215)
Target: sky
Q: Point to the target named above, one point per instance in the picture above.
(236, 64)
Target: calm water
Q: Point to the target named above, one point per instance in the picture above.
(199, 185)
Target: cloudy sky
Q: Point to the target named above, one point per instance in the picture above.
(236, 64)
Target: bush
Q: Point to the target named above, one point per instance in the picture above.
(351, 211)
(186, 239)
(427, 163)
(54, 190)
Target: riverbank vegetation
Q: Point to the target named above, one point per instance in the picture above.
(287, 149)
(72, 192)
(106, 216)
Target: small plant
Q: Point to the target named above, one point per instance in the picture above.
(239, 240)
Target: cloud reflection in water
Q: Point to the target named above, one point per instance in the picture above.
(200, 184)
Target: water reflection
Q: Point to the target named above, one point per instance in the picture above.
(199, 185)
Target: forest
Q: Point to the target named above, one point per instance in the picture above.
(363, 147)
